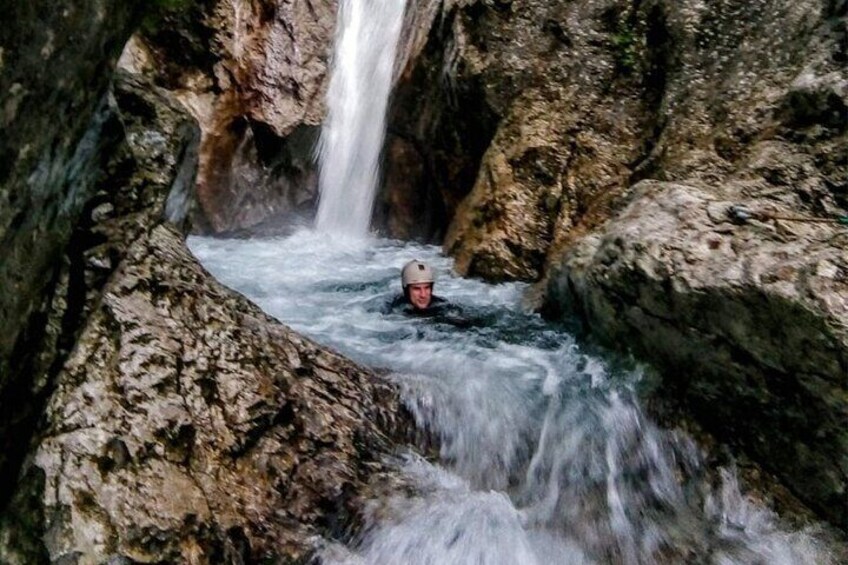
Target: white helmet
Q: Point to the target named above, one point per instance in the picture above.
(416, 272)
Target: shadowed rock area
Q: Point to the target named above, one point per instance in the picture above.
(524, 124)
(146, 165)
(253, 74)
(55, 66)
(165, 418)
(748, 322)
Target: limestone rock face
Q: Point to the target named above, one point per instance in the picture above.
(542, 115)
(190, 427)
(526, 124)
(749, 321)
(55, 67)
(254, 75)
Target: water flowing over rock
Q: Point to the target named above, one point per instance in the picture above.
(523, 126)
(353, 131)
(149, 414)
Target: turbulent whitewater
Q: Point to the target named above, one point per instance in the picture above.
(545, 453)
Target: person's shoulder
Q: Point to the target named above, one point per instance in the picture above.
(398, 303)
(438, 305)
(441, 306)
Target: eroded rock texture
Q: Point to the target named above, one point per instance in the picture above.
(253, 74)
(525, 127)
(55, 66)
(525, 122)
(749, 322)
(189, 427)
(180, 424)
(539, 116)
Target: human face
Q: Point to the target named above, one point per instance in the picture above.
(420, 295)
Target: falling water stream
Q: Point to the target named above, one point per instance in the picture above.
(545, 454)
(352, 134)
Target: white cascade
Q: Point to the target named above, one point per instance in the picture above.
(352, 136)
(546, 456)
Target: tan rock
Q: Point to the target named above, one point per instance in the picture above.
(261, 79)
(188, 424)
(750, 324)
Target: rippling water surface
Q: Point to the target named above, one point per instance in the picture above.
(546, 455)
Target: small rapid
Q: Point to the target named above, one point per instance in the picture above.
(545, 453)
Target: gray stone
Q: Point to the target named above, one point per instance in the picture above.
(55, 67)
(187, 421)
(749, 323)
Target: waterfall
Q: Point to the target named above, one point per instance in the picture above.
(352, 135)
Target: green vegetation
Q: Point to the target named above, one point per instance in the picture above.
(160, 10)
(626, 45)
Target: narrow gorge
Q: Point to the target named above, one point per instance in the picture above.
(640, 206)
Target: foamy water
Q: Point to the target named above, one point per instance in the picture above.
(546, 455)
(352, 134)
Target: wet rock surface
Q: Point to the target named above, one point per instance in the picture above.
(253, 75)
(749, 322)
(55, 67)
(189, 426)
(147, 152)
(526, 124)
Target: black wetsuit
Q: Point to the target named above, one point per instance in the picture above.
(440, 310)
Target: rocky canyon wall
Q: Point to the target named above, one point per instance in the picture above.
(148, 413)
(254, 76)
(533, 139)
(56, 62)
(674, 173)
(647, 160)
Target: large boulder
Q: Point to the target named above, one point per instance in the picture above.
(748, 319)
(188, 426)
(526, 122)
(177, 422)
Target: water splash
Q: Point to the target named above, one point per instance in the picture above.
(545, 453)
(352, 135)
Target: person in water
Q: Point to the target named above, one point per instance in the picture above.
(417, 280)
